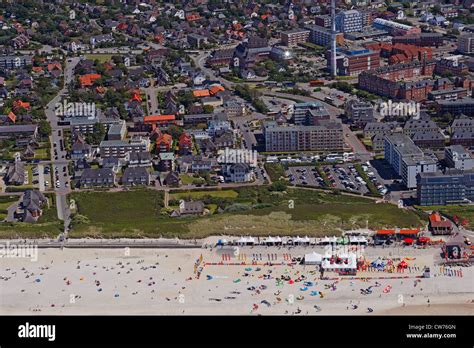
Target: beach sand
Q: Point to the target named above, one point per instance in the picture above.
(163, 282)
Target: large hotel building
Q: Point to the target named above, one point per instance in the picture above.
(294, 37)
(327, 136)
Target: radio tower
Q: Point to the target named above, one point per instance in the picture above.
(333, 39)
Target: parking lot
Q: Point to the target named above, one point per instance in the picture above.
(305, 175)
(341, 176)
(345, 177)
(41, 176)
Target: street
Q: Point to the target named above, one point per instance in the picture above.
(59, 161)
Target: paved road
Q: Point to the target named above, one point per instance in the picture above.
(200, 61)
(152, 101)
(58, 151)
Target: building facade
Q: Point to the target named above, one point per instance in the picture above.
(322, 36)
(360, 113)
(292, 38)
(120, 148)
(394, 28)
(457, 157)
(326, 137)
(407, 159)
(466, 43)
(349, 21)
(452, 187)
(352, 61)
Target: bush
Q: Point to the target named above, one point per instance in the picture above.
(279, 185)
(262, 205)
(237, 207)
(199, 181)
(80, 219)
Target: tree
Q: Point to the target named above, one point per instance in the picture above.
(279, 185)
(97, 136)
(343, 86)
(447, 73)
(44, 129)
(208, 109)
(175, 131)
(454, 32)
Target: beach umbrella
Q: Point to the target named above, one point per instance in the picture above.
(402, 264)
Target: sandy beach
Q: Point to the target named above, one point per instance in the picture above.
(164, 282)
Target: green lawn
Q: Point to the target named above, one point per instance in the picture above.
(19, 188)
(252, 210)
(47, 226)
(30, 230)
(5, 203)
(42, 153)
(135, 213)
(186, 179)
(201, 194)
(8, 199)
(313, 214)
(101, 57)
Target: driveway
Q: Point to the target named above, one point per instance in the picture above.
(11, 212)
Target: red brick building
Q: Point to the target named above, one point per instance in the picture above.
(401, 53)
(353, 61)
(451, 66)
(386, 80)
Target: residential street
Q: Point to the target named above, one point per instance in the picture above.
(58, 152)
